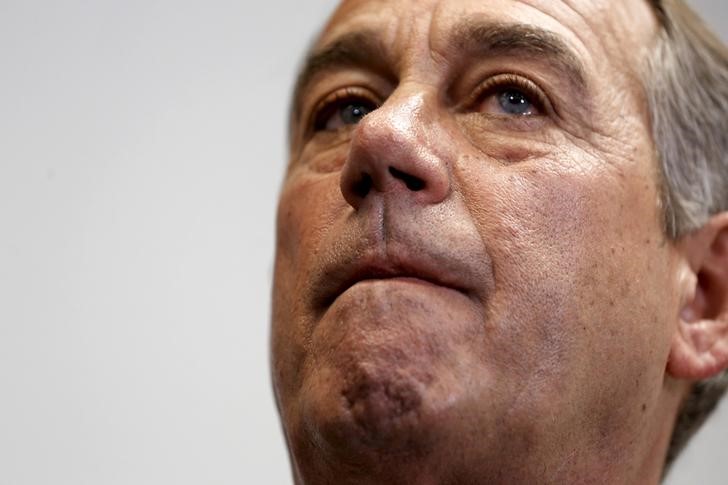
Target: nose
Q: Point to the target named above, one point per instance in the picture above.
(397, 150)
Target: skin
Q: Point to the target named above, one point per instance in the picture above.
(514, 316)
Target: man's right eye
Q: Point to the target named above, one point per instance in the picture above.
(342, 109)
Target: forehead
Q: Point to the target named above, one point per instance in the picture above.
(592, 28)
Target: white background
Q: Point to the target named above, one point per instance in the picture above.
(142, 145)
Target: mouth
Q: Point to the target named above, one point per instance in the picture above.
(338, 281)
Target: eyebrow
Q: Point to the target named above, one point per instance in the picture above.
(487, 38)
(359, 48)
(472, 37)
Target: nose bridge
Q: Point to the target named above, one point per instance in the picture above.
(408, 119)
(394, 150)
(401, 118)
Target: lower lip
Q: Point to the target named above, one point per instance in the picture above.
(370, 300)
(418, 285)
(404, 280)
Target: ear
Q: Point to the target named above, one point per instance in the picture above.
(699, 347)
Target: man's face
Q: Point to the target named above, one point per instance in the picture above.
(470, 264)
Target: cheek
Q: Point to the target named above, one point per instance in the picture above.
(579, 269)
(305, 210)
(305, 216)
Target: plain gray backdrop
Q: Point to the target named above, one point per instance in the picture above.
(142, 145)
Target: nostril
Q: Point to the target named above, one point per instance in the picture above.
(363, 185)
(413, 183)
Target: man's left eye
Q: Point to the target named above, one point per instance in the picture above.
(507, 95)
(509, 101)
(515, 102)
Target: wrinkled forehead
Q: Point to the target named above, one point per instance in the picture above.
(592, 28)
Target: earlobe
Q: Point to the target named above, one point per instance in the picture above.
(699, 347)
(699, 350)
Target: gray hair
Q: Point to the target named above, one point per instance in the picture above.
(686, 84)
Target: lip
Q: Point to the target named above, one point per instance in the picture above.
(399, 264)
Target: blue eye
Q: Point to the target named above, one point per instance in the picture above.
(352, 113)
(515, 102)
(509, 96)
(343, 111)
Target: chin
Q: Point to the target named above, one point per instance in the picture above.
(380, 384)
(371, 412)
(365, 425)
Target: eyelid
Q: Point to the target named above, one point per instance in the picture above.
(506, 80)
(326, 106)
